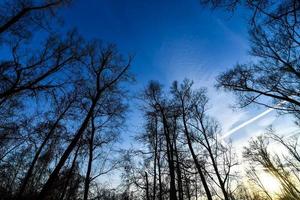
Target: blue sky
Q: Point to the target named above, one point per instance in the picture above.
(162, 33)
(173, 40)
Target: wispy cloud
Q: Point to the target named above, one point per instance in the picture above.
(235, 129)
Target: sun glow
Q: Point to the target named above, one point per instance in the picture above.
(270, 183)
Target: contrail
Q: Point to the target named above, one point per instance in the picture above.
(230, 132)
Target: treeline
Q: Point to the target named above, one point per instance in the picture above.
(63, 104)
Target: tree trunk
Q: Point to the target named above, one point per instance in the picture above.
(90, 161)
(178, 170)
(155, 160)
(147, 187)
(170, 151)
(187, 134)
(159, 173)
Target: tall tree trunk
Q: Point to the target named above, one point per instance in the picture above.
(178, 170)
(147, 187)
(155, 160)
(159, 173)
(90, 161)
(197, 164)
(170, 155)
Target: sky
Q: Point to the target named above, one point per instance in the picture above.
(172, 40)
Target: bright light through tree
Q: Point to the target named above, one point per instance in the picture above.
(270, 183)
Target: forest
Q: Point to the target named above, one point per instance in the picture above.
(65, 101)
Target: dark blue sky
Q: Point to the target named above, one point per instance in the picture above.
(163, 33)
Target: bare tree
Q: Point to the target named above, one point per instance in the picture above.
(158, 104)
(273, 79)
(182, 98)
(173, 128)
(204, 130)
(105, 69)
